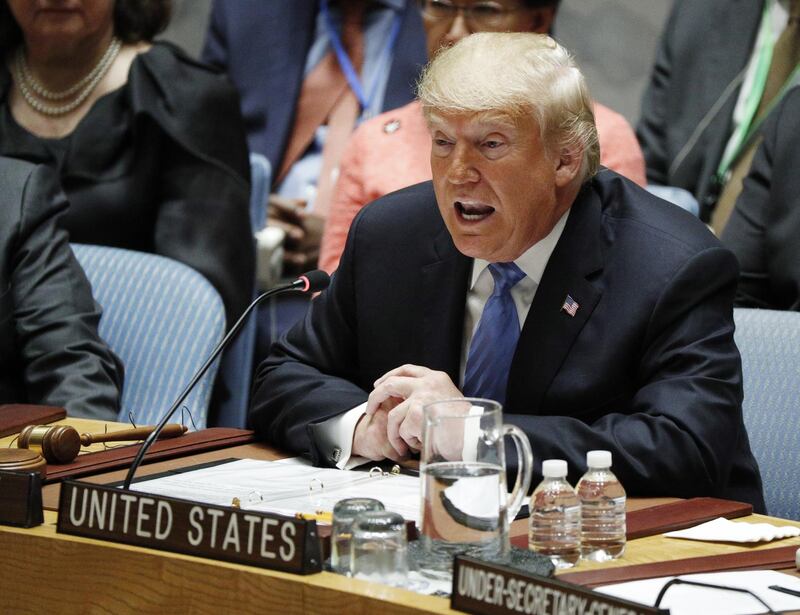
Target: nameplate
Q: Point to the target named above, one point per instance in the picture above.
(21, 499)
(181, 526)
(486, 589)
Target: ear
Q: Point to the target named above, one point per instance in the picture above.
(568, 165)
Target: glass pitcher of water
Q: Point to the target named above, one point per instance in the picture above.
(466, 507)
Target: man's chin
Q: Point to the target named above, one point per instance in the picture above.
(475, 247)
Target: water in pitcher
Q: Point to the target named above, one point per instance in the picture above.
(463, 512)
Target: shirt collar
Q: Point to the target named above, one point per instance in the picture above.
(534, 260)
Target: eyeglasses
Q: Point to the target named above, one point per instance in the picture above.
(679, 581)
(486, 15)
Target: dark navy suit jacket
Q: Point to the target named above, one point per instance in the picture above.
(688, 105)
(647, 368)
(764, 229)
(262, 44)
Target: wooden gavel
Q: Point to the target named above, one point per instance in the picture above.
(61, 443)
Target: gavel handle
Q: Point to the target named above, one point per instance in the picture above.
(140, 433)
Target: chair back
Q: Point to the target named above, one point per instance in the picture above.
(769, 342)
(260, 178)
(237, 362)
(162, 319)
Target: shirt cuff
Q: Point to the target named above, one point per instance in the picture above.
(340, 430)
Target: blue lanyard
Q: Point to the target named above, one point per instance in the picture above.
(346, 65)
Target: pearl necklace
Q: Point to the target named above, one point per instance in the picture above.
(32, 91)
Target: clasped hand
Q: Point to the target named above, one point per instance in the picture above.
(393, 423)
(303, 232)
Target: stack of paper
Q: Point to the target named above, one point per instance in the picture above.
(725, 530)
(287, 487)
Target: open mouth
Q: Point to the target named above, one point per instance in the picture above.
(472, 211)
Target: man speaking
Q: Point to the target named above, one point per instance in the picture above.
(597, 314)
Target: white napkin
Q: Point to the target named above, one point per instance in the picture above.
(725, 530)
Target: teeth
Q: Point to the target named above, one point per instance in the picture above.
(479, 210)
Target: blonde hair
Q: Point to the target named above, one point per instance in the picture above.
(518, 73)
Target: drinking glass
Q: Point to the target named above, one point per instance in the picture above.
(379, 548)
(466, 508)
(344, 515)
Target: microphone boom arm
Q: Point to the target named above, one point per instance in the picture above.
(312, 281)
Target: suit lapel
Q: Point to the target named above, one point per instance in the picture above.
(549, 332)
(444, 283)
(284, 77)
(410, 56)
(730, 46)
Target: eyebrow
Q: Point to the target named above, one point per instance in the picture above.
(495, 119)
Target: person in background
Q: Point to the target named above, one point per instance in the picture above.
(50, 352)
(576, 299)
(391, 151)
(764, 229)
(148, 144)
(720, 67)
(307, 72)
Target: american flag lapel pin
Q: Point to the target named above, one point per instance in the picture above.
(570, 306)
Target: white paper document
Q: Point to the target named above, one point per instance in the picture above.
(287, 487)
(691, 600)
(725, 530)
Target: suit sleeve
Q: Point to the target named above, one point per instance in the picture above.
(651, 129)
(65, 362)
(746, 231)
(678, 431)
(203, 219)
(311, 373)
(215, 49)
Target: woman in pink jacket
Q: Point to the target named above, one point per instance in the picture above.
(392, 150)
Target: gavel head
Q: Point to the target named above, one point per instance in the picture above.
(56, 443)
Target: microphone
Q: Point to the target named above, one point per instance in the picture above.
(310, 282)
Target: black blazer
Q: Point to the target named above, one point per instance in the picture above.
(687, 107)
(764, 228)
(647, 368)
(159, 165)
(263, 47)
(50, 352)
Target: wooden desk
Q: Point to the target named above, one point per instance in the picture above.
(43, 571)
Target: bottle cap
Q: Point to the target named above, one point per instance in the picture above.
(554, 468)
(598, 459)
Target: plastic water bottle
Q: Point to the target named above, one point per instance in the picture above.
(602, 510)
(555, 523)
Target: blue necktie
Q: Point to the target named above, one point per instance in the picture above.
(495, 339)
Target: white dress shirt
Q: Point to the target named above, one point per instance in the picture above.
(340, 429)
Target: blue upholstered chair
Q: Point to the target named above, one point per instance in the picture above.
(237, 362)
(260, 178)
(769, 342)
(162, 319)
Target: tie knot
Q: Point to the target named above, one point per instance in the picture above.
(505, 275)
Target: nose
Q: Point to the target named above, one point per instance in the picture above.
(458, 28)
(461, 169)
